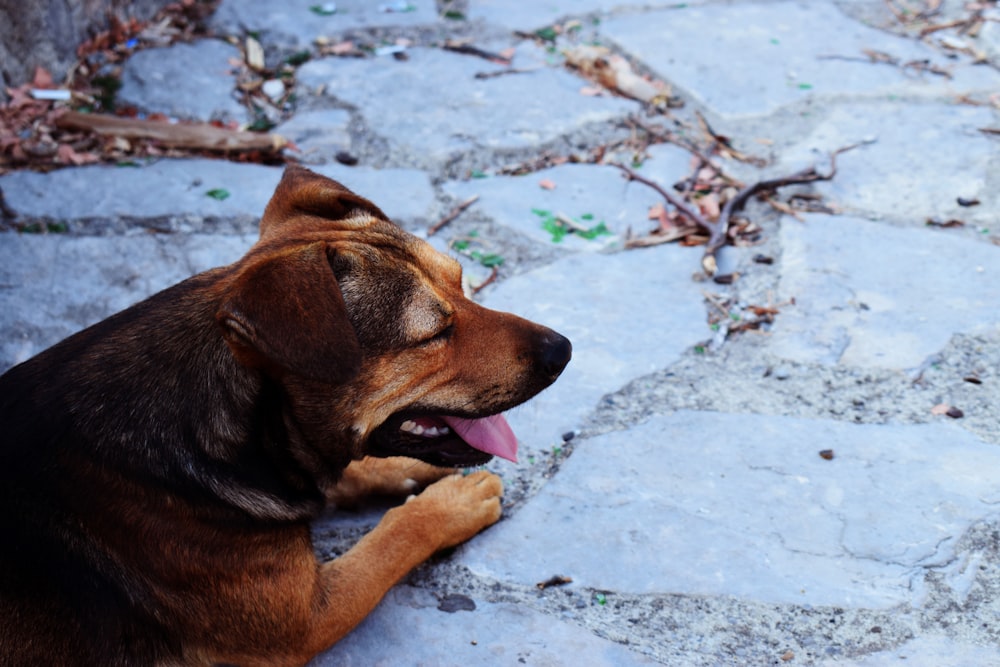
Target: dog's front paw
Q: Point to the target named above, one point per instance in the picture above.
(396, 476)
(457, 507)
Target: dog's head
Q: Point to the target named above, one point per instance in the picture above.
(369, 332)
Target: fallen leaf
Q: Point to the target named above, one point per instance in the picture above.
(67, 155)
(591, 91)
(787, 655)
(255, 54)
(556, 580)
(940, 409)
(946, 224)
(826, 454)
(546, 184)
(709, 205)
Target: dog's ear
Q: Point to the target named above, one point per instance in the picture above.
(303, 192)
(286, 315)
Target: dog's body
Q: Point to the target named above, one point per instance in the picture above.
(159, 470)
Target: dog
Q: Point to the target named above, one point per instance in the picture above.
(160, 469)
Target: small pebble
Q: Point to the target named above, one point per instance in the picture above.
(456, 602)
(274, 89)
(344, 157)
(955, 413)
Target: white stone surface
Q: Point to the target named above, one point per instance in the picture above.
(292, 24)
(627, 314)
(926, 651)
(197, 81)
(743, 505)
(500, 113)
(868, 294)
(173, 193)
(600, 192)
(318, 135)
(791, 44)
(924, 158)
(408, 623)
(55, 285)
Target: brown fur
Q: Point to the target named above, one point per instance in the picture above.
(159, 470)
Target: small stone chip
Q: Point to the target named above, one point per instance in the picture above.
(826, 454)
(955, 413)
(456, 602)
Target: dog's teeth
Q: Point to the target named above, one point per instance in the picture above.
(414, 428)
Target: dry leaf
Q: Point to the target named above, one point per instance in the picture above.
(546, 184)
(591, 91)
(67, 155)
(340, 48)
(255, 54)
(657, 212)
(709, 205)
(940, 409)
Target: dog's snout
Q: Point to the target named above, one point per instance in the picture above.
(553, 354)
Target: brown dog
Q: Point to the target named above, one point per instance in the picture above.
(158, 471)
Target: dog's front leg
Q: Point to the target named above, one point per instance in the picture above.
(394, 476)
(448, 512)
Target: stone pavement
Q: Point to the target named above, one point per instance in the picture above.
(691, 508)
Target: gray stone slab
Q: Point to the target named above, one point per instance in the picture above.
(923, 159)
(191, 81)
(590, 194)
(54, 285)
(926, 651)
(527, 16)
(318, 135)
(627, 314)
(172, 195)
(468, 116)
(293, 25)
(408, 623)
(745, 59)
(873, 295)
(743, 505)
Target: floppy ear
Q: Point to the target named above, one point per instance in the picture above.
(305, 192)
(286, 315)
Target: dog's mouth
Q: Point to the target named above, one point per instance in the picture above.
(445, 440)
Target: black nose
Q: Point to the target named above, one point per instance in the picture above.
(553, 354)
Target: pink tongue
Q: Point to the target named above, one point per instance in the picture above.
(492, 435)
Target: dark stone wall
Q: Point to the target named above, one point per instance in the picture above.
(47, 32)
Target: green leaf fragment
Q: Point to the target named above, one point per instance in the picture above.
(549, 34)
(218, 194)
(323, 10)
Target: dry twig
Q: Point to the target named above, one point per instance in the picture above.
(454, 213)
(719, 228)
(193, 136)
(493, 276)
